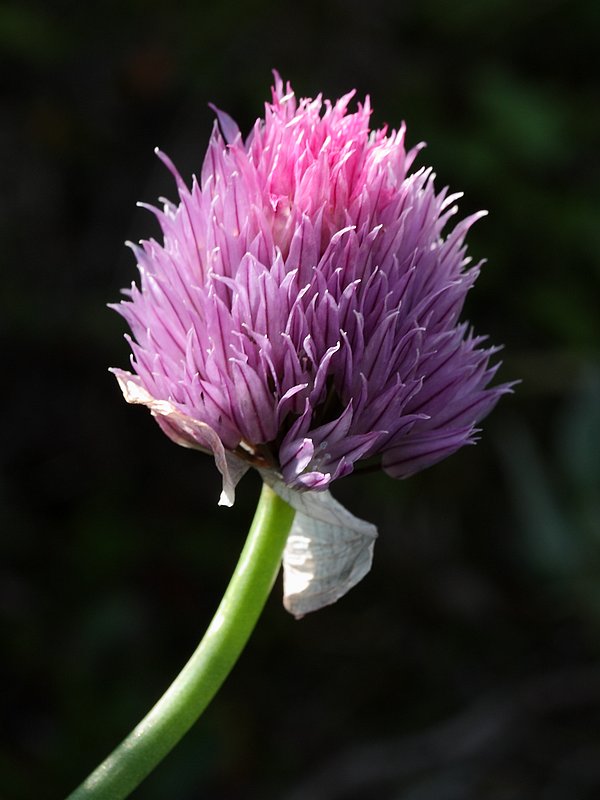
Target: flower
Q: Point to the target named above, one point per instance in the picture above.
(302, 314)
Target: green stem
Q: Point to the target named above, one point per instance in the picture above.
(200, 679)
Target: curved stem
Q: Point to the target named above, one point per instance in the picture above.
(200, 679)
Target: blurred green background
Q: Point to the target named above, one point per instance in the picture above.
(466, 665)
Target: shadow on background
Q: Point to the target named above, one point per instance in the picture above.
(464, 665)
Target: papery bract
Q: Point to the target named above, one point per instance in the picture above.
(302, 314)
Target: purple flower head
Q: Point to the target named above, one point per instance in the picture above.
(302, 311)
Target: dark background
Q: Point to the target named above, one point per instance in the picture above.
(466, 664)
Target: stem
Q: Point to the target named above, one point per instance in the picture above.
(202, 676)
